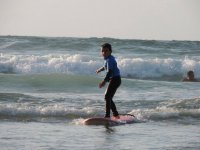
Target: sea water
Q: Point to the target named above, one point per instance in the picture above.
(48, 86)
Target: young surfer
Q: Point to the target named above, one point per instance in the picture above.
(112, 76)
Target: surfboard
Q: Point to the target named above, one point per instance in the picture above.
(123, 119)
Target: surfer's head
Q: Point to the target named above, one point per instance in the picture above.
(106, 50)
(107, 46)
(190, 75)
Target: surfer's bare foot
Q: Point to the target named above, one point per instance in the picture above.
(116, 117)
(108, 117)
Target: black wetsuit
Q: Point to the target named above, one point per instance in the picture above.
(114, 79)
(114, 83)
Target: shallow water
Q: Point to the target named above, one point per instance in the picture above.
(149, 135)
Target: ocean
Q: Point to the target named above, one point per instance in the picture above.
(48, 86)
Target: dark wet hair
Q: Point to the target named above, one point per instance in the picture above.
(107, 45)
(190, 72)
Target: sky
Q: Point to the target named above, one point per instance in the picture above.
(124, 19)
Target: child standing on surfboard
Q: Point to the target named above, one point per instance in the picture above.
(112, 76)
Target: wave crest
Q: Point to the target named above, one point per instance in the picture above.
(82, 64)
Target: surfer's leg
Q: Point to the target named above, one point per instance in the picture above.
(112, 88)
(111, 105)
(108, 97)
(114, 109)
(107, 108)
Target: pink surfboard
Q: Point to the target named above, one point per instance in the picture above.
(124, 119)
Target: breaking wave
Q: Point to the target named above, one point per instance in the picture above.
(155, 68)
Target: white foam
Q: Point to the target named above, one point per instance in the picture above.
(141, 68)
(56, 110)
(82, 64)
(165, 113)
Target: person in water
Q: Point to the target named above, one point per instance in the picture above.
(190, 77)
(112, 76)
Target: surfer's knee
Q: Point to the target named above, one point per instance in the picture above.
(108, 98)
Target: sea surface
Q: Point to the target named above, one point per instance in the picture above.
(48, 86)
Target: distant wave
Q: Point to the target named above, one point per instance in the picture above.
(82, 64)
(158, 68)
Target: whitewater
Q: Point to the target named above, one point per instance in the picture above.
(48, 86)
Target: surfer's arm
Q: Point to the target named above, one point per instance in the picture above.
(106, 79)
(100, 69)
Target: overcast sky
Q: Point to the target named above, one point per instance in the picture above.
(125, 19)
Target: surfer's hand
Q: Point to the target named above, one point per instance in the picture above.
(100, 69)
(101, 84)
(97, 71)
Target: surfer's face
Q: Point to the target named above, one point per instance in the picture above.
(191, 76)
(105, 52)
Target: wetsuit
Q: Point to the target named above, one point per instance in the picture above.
(114, 79)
